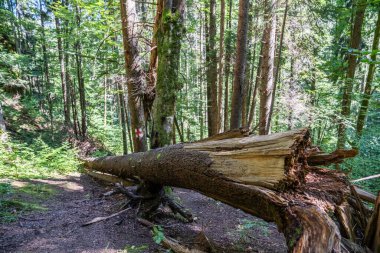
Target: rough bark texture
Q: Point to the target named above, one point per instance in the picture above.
(356, 35)
(267, 66)
(211, 61)
(227, 63)
(239, 71)
(170, 31)
(315, 208)
(368, 85)
(221, 56)
(136, 82)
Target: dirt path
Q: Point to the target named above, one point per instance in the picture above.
(79, 199)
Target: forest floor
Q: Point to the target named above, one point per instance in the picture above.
(76, 199)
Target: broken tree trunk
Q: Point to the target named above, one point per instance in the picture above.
(266, 176)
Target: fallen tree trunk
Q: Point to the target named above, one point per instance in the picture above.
(266, 176)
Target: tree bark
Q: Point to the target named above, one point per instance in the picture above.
(267, 67)
(81, 87)
(123, 115)
(170, 32)
(257, 84)
(239, 71)
(278, 63)
(212, 73)
(368, 85)
(227, 64)
(221, 56)
(297, 197)
(136, 82)
(65, 90)
(356, 35)
(46, 66)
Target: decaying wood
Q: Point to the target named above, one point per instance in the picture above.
(233, 133)
(372, 233)
(266, 176)
(366, 196)
(321, 158)
(109, 178)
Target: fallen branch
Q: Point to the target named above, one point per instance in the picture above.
(168, 242)
(365, 178)
(366, 196)
(99, 219)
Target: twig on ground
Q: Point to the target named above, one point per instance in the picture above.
(98, 219)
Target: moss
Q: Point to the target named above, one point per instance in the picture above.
(169, 37)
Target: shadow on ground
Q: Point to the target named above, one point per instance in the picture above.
(78, 199)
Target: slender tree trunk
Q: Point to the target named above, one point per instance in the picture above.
(211, 63)
(136, 82)
(81, 87)
(368, 84)
(169, 37)
(61, 58)
(257, 84)
(356, 35)
(123, 113)
(249, 65)
(239, 71)
(267, 66)
(227, 62)
(74, 110)
(221, 55)
(105, 102)
(278, 64)
(46, 66)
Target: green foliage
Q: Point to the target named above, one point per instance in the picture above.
(158, 234)
(135, 249)
(36, 159)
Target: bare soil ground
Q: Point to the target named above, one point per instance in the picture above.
(79, 199)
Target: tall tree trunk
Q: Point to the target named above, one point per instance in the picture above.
(169, 37)
(136, 82)
(257, 84)
(61, 58)
(221, 55)
(356, 35)
(239, 71)
(123, 114)
(152, 74)
(78, 59)
(211, 63)
(368, 85)
(46, 67)
(278, 64)
(227, 64)
(76, 125)
(2, 121)
(267, 66)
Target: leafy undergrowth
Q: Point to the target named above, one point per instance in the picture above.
(35, 159)
(17, 198)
